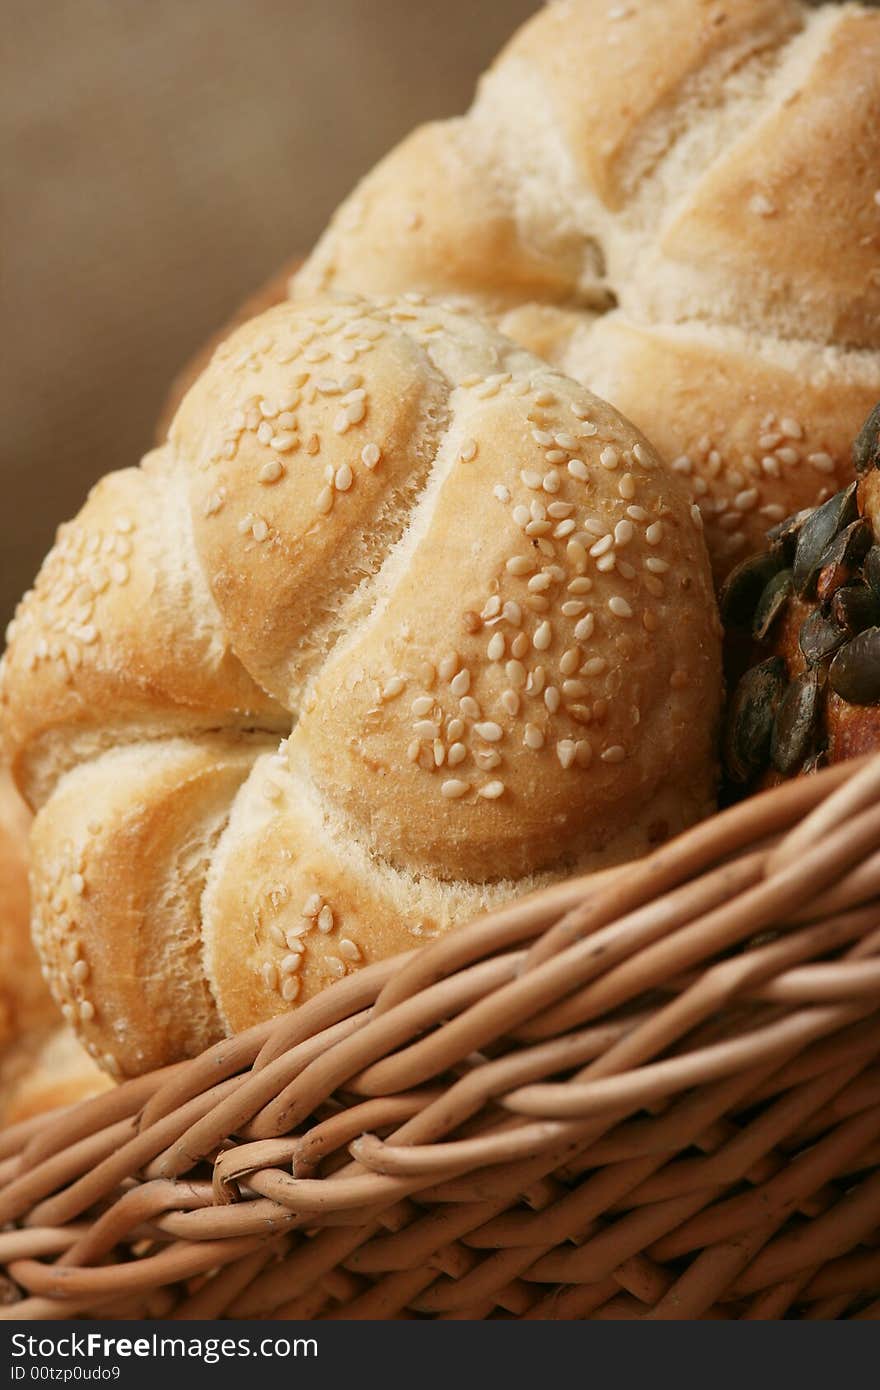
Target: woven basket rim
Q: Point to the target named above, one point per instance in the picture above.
(653, 1091)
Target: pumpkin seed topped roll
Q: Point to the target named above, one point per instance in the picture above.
(462, 588)
(811, 606)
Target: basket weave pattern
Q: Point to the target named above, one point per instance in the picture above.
(650, 1093)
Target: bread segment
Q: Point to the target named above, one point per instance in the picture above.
(119, 639)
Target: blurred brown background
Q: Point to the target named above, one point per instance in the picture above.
(159, 160)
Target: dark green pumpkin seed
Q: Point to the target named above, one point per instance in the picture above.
(855, 670)
(744, 586)
(816, 534)
(866, 449)
(820, 637)
(785, 533)
(771, 603)
(871, 568)
(855, 607)
(843, 557)
(798, 722)
(750, 719)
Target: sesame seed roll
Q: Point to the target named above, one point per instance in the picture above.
(401, 623)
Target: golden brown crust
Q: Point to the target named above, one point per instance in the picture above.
(25, 1003)
(488, 613)
(706, 165)
(117, 893)
(743, 460)
(118, 639)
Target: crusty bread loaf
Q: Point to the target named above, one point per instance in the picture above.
(468, 585)
(678, 203)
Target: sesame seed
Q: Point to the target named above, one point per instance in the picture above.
(452, 789)
(487, 758)
(271, 471)
(578, 470)
(80, 972)
(531, 479)
(516, 673)
(614, 754)
(512, 613)
(335, 966)
(413, 750)
(501, 492)
(448, 666)
(290, 988)
(461, 683)
(602, 546)
(489, 731)
(566, 752)
(426, 728)
(596, 666)
(78, 884)
(609, 457)
(656, 565)
(422, 705)
(623, 533)
(491, 791)
(533, 737)
(325, 500)
(344, 478)
(394, 687)
(821, 461)
(325, 918)
(370, 455)
(654, 533)
(792, 429)
(761, 206)
(349, 949)
(520, 565)
(619, 607)
(584, 629)
(454, 728)
(283, 443)
(468, 450)
(495, 649)
(577, 554)
(270, 975)
(456, 754)
(627, 487)
(469, 707)
(552, 699)
(86, 1010)
(292, 937)
(291, 963)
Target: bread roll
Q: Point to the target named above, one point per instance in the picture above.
(41, 1063)
(25, 1002)
(461, 587)
(676, 203)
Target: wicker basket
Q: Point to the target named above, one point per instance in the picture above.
(651, 1093)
